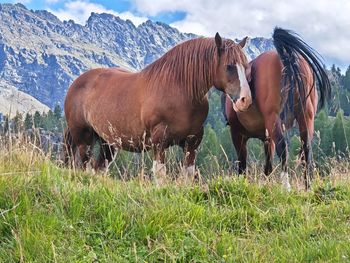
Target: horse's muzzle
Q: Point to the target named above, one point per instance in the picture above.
(233, 98)
(241, 104)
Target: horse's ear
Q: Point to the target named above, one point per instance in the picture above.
(248, 72)
(218, 42)
(243, 42)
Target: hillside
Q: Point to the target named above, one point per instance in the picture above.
(13, 101)
(41, 55)
(49, 214)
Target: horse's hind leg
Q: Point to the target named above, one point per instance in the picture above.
(75, 155)
(269, 148)
(83, 154)
(306, 129)
(102, 154)
(240, 143)
(109, 152)
(274, 129)
(307, 158)
(83, 139)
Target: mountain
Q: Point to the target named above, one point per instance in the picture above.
(41, 55)
(13, 100)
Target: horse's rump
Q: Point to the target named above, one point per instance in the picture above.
(299, 62)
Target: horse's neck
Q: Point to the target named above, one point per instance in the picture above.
(175, 91)
(193, 78)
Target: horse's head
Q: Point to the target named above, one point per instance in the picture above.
(230, 72)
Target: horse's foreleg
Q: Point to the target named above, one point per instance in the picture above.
(274, 128)
(160, 141)
(240, 143)
(189, 148)
(158, 167)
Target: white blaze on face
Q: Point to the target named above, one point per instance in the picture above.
(245, 89)
(245, 96)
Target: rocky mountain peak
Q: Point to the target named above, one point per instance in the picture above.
(41, 55)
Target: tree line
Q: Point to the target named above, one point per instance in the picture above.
(51, 121)
(340, 91)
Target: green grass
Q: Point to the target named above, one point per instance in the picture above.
(49, 214)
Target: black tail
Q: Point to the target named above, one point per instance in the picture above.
(290, 47)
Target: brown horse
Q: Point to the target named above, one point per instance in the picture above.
(283, 90)
(162, 105)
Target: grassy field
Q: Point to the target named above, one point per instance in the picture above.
(50, 214)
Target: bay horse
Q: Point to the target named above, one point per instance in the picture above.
(283, 85)
(162, 105)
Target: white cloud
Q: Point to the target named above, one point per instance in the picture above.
(21, 1)
(80, 11)
(51, 1)
(323, 24)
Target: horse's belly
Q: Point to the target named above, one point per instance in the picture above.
(122, 134)
(134, 142)
(253, 121)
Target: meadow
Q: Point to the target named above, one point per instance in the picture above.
(49, 213)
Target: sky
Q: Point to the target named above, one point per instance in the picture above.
(323, 24)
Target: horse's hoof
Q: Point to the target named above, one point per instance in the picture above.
(191, 173)
(285, 181)
(159, 172)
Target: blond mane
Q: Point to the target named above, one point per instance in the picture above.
(191, 66)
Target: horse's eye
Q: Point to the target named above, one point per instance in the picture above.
(230, 68)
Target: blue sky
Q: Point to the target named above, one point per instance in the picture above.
(323, 24)
(119, 6)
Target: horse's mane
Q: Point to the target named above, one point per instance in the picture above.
(191, 65)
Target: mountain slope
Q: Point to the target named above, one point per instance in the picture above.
(41, 55)
(13, 101)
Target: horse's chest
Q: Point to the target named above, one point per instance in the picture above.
(252, 120)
